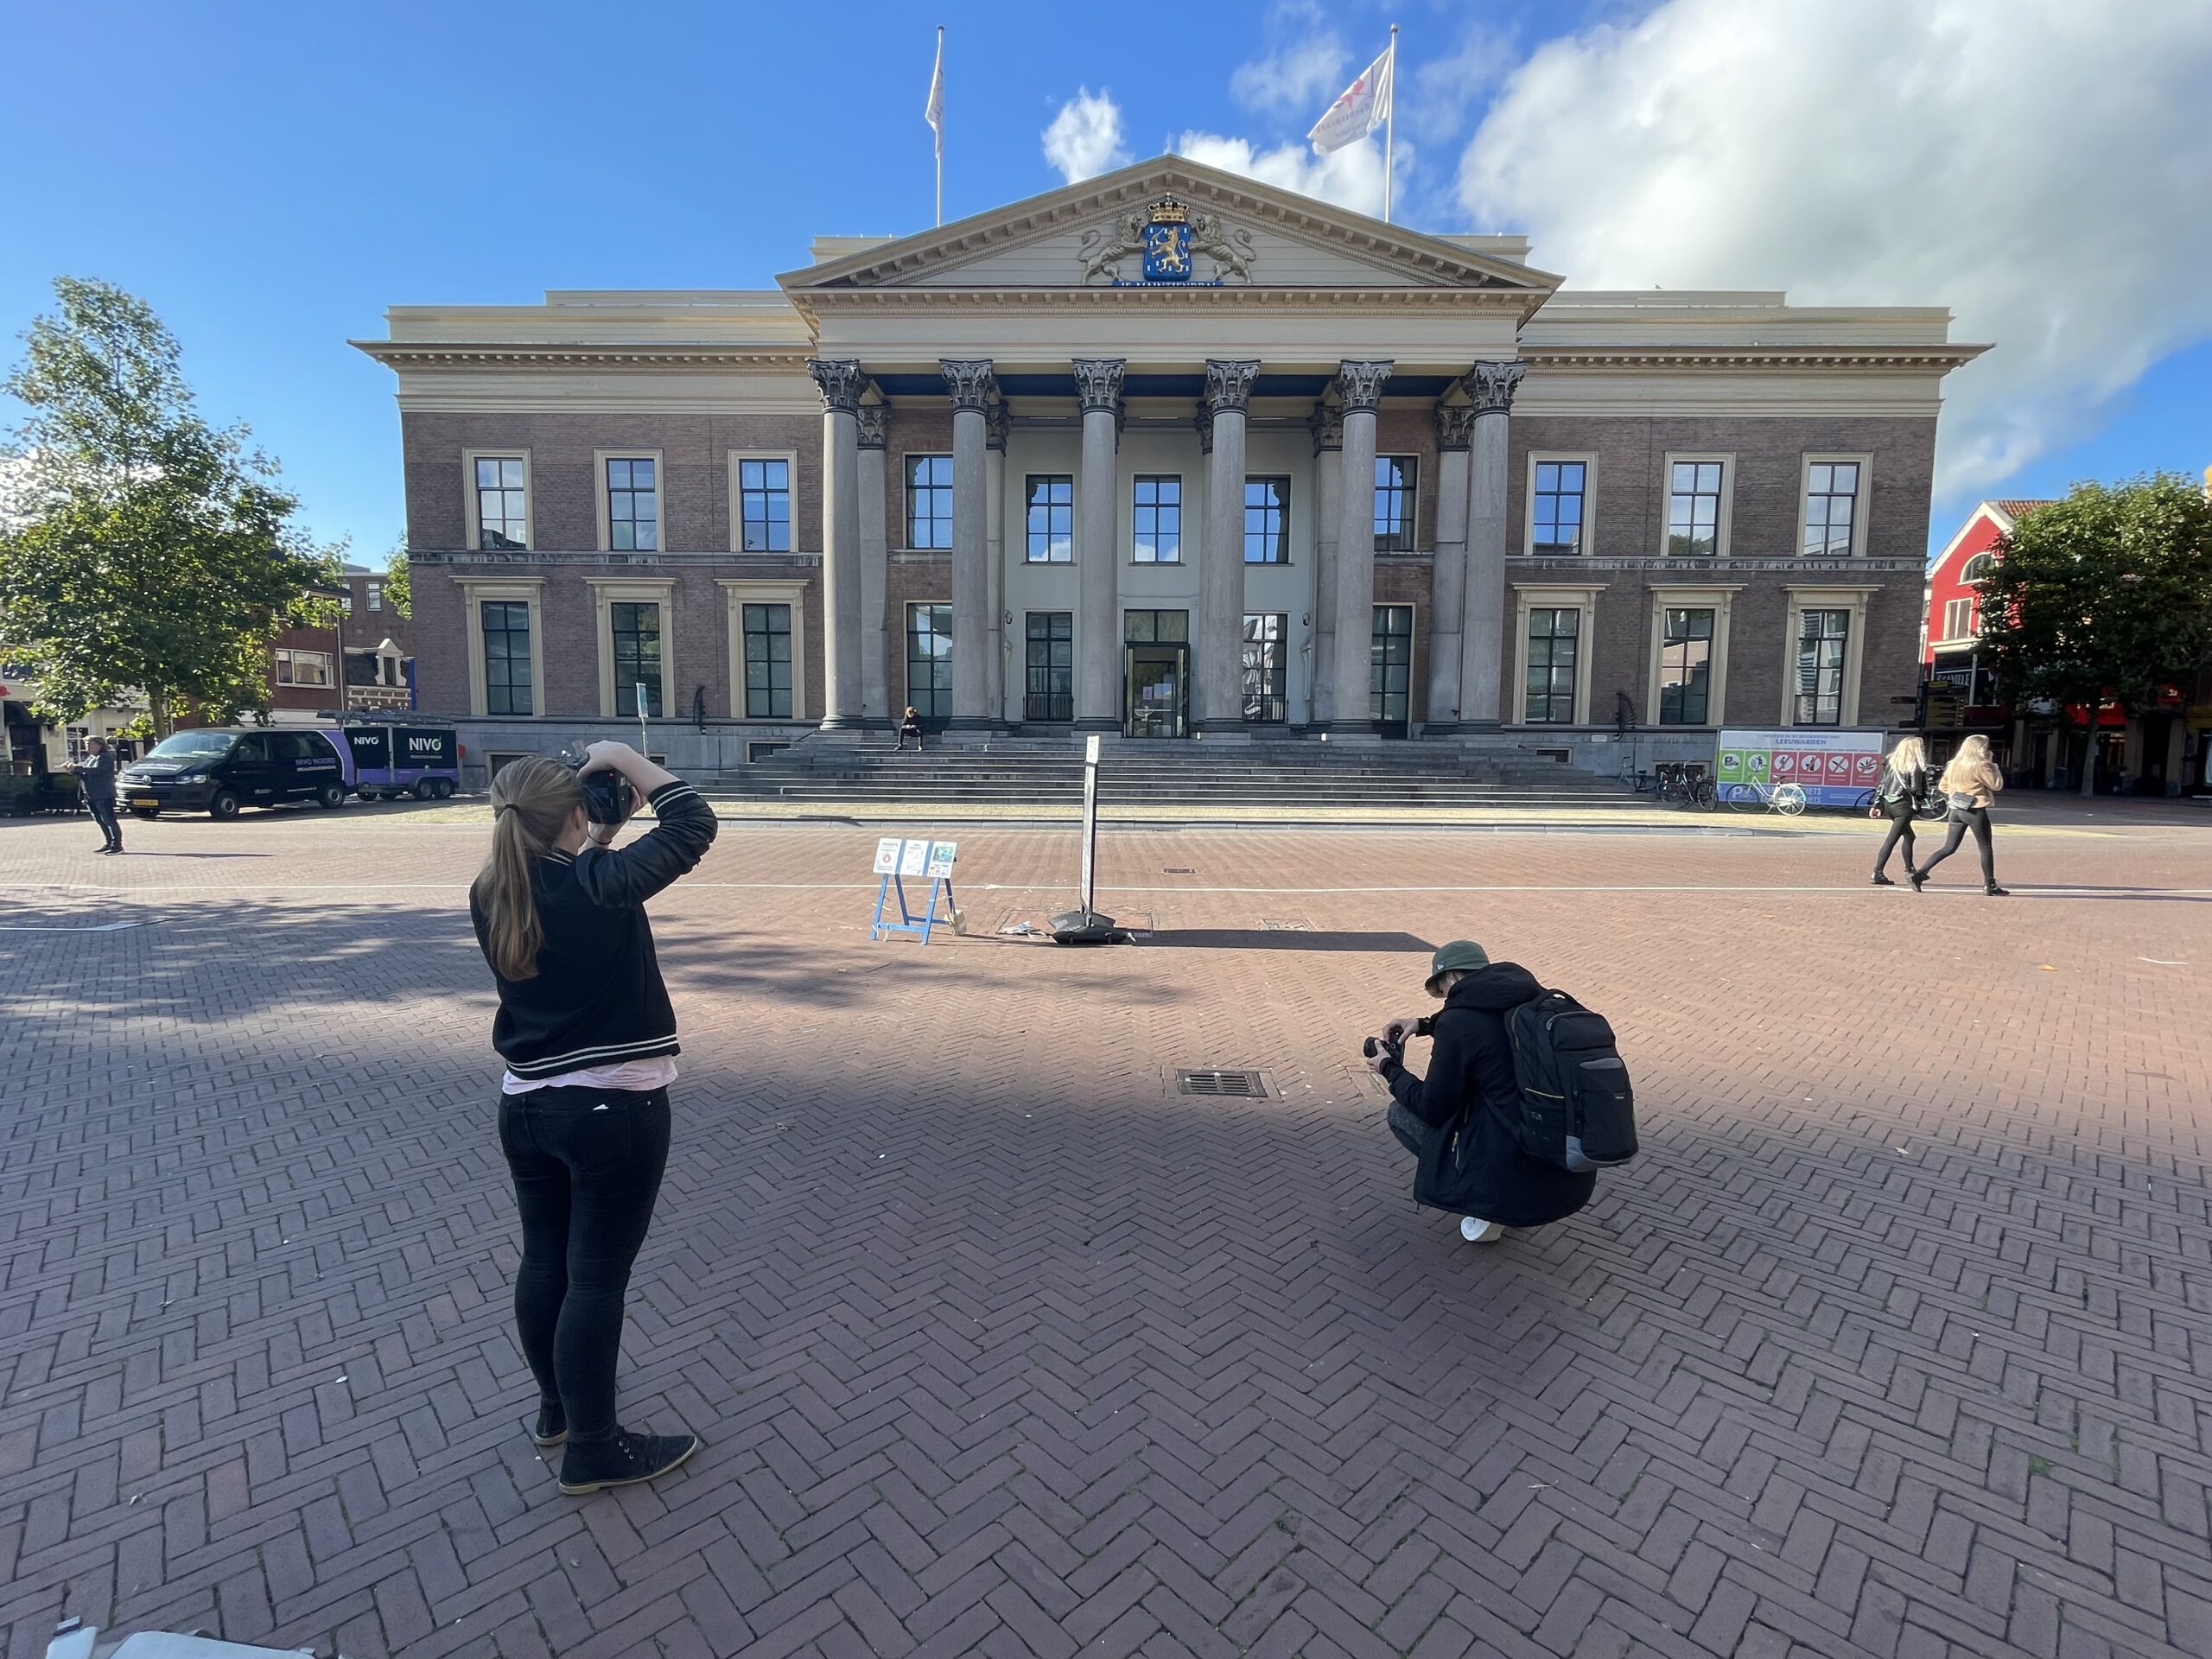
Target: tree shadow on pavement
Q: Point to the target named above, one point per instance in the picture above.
(1255, 938)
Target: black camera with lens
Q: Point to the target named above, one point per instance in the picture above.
(1374, 1045)
(609, 797)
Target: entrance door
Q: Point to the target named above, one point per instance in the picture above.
(1156, 681)
(1390, 668)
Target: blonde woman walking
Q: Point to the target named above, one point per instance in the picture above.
(1970, 782)
(1904, 787)
(589, 1040)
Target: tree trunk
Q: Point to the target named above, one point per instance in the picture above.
(2089, 756)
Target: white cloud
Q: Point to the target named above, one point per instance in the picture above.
(1085, 138)
(1304, 76)
(1350, 177)
(2040, 166)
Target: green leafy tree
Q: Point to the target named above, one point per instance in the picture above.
(2107, 593)
(146, 552)
(396, 591)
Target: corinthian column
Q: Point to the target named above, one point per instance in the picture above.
(1455, 426)
(1327, 425)
(1097, 550)
(841, 383)
(1490, 387)
(998, 428)
(969, 383)
(1361, 386)
(1221, 574)
(874, 421)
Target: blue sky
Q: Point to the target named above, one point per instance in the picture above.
(272, 177)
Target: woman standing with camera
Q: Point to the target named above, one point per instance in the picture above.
(589, 1040)
(1904, 787)
(1970, 782)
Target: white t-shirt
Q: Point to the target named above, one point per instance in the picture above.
(634, 1077)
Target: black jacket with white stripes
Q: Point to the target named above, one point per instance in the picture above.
(597, 998)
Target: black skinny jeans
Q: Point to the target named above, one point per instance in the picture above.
(103, 813)
(1962, 819)
(587, 1166)
(1900, 816)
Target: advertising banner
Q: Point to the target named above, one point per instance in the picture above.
(1835, 768)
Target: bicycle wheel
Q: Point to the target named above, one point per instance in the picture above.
(1705, 796)
(1742, 797)
(1788, 799)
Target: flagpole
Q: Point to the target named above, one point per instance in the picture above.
(940, 132)
(1390, 124)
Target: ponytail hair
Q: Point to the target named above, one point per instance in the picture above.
(533, 802)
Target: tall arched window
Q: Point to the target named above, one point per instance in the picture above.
(1978, 567)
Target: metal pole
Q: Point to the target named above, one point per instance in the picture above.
(940, 129)
(1390, 125)
(1089, 824)
(645, 743)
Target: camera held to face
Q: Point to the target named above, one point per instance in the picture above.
(609, 797)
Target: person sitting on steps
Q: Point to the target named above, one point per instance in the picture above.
(910, 727)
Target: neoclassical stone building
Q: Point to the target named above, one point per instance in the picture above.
(1168, 453)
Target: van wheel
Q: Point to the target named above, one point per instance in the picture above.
(223, 803)
(440, 789)
(330, 795)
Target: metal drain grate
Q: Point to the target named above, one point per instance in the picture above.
(1286, 924)
(1175, 869)
(1229, 1085)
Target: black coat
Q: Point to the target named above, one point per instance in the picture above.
(97, 773)
(1473, 1161)
(1900, 792)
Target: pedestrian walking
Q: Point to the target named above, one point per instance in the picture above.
(1458, 1120)
(585, 1027)
(96, 776)
(910, 726)
(1898, 797)
(1970, 782)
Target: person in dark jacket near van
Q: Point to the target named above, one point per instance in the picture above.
(1457, 1121)
(96, 776)
(589, 1037)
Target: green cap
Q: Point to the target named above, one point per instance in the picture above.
(1461, 955)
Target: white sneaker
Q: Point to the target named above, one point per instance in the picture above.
(1476, 1230)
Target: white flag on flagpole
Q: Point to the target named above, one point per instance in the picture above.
(1364, 107)
(933, 113)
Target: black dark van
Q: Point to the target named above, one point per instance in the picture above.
(218, 772)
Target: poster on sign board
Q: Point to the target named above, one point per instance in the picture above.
(942, 853)
(887, 856)
(914, 858)
(1835, 768)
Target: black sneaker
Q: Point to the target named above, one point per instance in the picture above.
(624, 1460)
(1919, 880)
(1996, 892)
(1881, 881)
(551, 1427)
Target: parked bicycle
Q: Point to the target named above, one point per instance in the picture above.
(1684, 783)
(1754, 796)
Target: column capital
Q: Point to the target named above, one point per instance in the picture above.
(1360, 384)
(841, 382)
(1455, 426)
(998, 421)
(1098, 383)
(875, 425)
(1228, 384)
(1491, 386)
(968, 381)
(1326, 424)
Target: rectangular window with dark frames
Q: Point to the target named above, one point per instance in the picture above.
(1396, 478)
(633, 506)
(1048, 692)
(1958, 618)
(1156, 627)
(1694, 508)
(767, 662)
(635, 631)
(1831, 508)
(928, 501)
(1555, 642)
(1556, 508)
(1685, 667)
(507, 689)
(1051, 509)
(502, 507)
(1390, 666)
(929, 661)
(1822, 637)
(1266, 521)
(764, 499)
(1267, 669)
(1156, 518)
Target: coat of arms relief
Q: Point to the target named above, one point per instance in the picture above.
(1167, 235)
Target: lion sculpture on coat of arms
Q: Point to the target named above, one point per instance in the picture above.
(1230, 249)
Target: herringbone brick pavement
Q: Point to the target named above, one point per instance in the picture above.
(1897, 1341)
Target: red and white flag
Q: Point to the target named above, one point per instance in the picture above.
(1364, 107)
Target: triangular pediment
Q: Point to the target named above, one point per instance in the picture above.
(1242, 234)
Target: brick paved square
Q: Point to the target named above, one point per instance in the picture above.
(1897, 1341)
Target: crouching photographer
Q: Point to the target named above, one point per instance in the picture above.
(589, 1040)
(1463, 1122)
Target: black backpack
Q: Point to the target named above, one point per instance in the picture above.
(1577, 1108)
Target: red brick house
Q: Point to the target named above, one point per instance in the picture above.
(363, 662)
